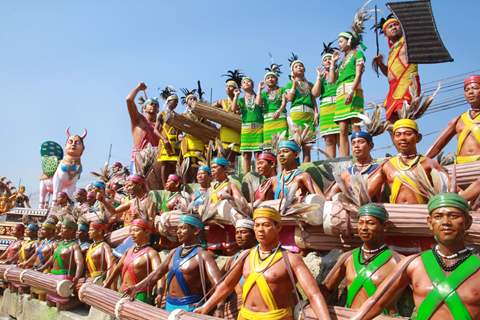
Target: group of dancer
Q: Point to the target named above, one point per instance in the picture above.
(260, 279)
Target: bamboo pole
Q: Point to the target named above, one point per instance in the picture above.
(197, 129)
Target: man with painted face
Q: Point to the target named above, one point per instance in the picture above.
(66, 261)
(266, 167)
(204, 179)
(221, 182)
(444, 279)
(401, 74)
(466, 126)
(251, 137)
(362, 145)
(365, 268)
(270, 275)
(290, 174)
(184, 267)
(142, 124)
(138, 261)
(403, 189)
(10, 256)
(245, 240)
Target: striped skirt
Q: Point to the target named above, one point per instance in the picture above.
(303, 116)
(271, 127)
(327, 112)
(348, 111)
(251, 138)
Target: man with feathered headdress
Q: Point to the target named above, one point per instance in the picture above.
(142, 124)
(229, 136)
(401, 74)
(168, 150)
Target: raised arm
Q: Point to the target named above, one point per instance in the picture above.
(317, 87)
(235, 106)
(290, 93)
(132, 107)
(309, 286)
(258, 98)
(332, 74)
(443, 139)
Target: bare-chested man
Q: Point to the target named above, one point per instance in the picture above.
(404, 188)
(446, 279)
(466, 126)
(187, 268)
(365, 268)
(99, 258)
(270, 274)
(28, 246)
(10, 256)
(266, 167)
(221, 183)
(138, 261)
(290, 174)
(362, 145)
(142, 124)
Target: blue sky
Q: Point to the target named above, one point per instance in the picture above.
(71, 63)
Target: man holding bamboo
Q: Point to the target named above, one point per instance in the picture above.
(444, 279)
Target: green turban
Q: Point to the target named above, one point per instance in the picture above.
(373, 210)
(69, 224)
(447, 199)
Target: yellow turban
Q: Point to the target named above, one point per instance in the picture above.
(405, 123)
(267, 212)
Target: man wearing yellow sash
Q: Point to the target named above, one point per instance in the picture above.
(221, 183)
(401, 74)
(466, 126)
(99, 258)
(400, 172)
(444, 279)
(270, 275)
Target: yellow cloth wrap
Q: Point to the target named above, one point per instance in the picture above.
(171, 135)
(228, 135)
(214, 193)
(278, 314)
(400, 179)
(267, 212)
(191, 146)
(469, 126)
(257, 278)
(92, 269)
(22, 254)
(405, 123)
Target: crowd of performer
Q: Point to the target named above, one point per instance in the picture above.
(189, 179)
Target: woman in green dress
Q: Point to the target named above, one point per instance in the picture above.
(251, 138)
(272, 98)
(348, 77)
(329, 129)
(303, 108)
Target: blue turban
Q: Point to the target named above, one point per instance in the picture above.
(153, 100)
(83, 227)
(192, 220)
(221, 161)
(361, 134)
(99, 184)
(33, 227)
(290, 144)
(205, 168)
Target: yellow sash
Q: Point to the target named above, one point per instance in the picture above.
(470, 126)
(92, 269)
(22, 254)
(214, 193)
(171, 135)
(257, 267)
(228, 135)
(401, 178)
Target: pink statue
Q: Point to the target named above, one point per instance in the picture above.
(67, 172)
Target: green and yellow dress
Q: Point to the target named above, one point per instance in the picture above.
(302, 108)
(272, 101)
(228, 135)
(327, 108)
(346, 76)
(252, 125)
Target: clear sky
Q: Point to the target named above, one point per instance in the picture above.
(71, 63)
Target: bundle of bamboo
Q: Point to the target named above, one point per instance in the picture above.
(196, 128)
(45, 282)
(466, 173)
(227, 119)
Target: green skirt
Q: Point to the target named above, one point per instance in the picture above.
(251, 138)
(348, 111)
(302, 116)
(327, 112)
(271, 127)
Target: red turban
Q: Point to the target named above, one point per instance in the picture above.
(174, 178)
(145, 225)
(471, 79)
(267, 156)
(136, 178)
